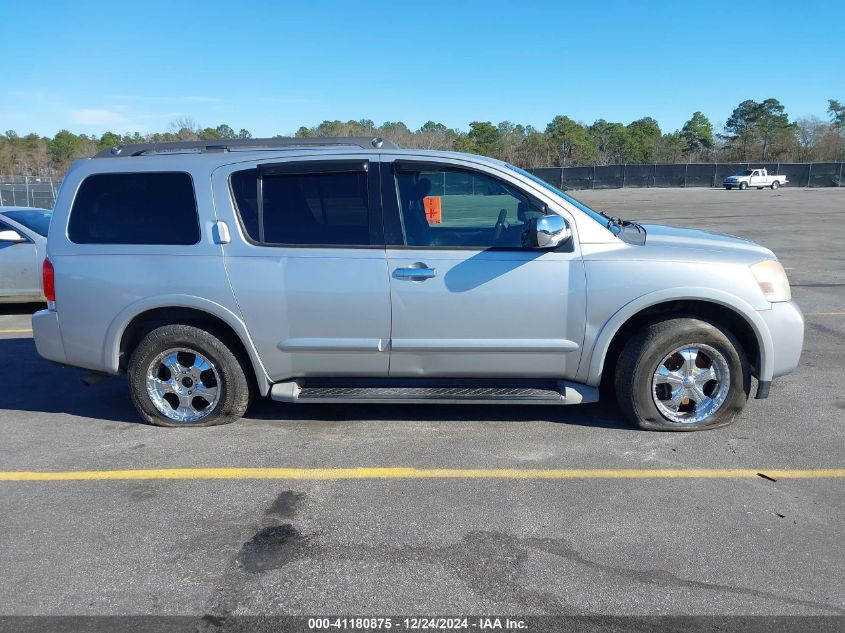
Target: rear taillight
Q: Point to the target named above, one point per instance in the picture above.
(48, 278)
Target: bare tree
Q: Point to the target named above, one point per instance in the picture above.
(809, 132)
(185, 129)
(434, 136)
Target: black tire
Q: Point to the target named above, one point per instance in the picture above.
(775, 185)
(235, 388)
(642, 355)
(743, 186)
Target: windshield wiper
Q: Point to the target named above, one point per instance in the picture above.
(621, 226)
(612, 221)
(620, 222)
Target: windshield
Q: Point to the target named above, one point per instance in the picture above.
(747, 172)
(38, 221)
(576, 203)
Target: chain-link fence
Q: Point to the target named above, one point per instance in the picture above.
(32, 191)
(686, 175)
(28, 191)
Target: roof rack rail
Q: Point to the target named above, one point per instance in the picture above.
(224, 145)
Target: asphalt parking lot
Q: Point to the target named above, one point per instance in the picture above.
(384, 542)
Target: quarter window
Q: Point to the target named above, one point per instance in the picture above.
(326, 208)
(137, 208)
(461, 208)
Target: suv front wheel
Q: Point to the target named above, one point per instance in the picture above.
(682, 375)
(181, 375)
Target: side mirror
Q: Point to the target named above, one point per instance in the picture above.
(11, 236)
(548, 231)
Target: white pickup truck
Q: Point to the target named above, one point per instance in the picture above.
(754, 178)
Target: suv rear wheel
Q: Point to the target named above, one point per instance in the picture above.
(181, 375)
(682, 375)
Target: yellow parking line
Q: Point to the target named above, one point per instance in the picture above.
(20, 331)
(421, 473)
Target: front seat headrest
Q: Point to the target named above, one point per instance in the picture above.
(423, 187)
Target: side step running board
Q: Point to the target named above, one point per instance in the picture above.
(431, 391)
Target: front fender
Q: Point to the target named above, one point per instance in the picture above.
(114, 333)
(590, 372)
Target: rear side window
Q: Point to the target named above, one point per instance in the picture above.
(139, 208)
(329, 208)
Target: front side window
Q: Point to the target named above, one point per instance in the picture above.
(453, 207)
(324, 208)
(595, 215)
(137, 208)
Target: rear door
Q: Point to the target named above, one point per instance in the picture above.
(469, 299)
(307, 263)
(19, 267)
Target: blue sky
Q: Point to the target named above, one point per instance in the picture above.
(273, 66)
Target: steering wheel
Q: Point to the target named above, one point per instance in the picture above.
(501, 225)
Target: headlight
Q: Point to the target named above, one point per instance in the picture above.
(772, 280)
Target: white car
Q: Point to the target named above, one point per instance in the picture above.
(754, 178)
(23, 246)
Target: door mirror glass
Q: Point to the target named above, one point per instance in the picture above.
(548, 231)
(11, 236)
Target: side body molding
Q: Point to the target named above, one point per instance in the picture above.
(111, 346)
(483, 345)
(592, 365)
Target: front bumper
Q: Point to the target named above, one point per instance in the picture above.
(48, 336)
(786, 326)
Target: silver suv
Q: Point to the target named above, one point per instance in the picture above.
(350, 270)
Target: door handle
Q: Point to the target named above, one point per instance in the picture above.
(220, 233)
(415, 272)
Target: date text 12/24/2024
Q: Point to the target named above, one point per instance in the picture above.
(417, 623)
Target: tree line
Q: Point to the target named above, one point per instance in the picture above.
(755, 131)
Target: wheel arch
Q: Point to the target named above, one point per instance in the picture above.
(130, 326)
(720, 308)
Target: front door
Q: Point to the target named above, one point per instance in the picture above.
(468, 298)
(308, 271)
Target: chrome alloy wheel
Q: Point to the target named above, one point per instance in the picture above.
(183, 385)
(691, 383)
